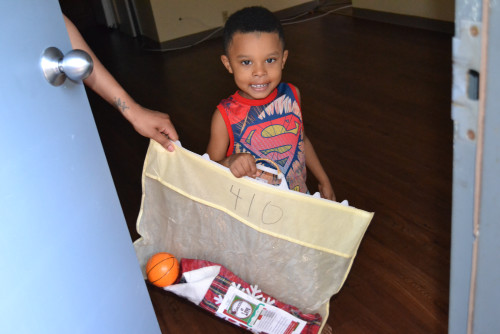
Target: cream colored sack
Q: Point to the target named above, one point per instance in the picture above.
(297, 248)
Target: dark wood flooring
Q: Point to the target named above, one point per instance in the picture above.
(376, 102)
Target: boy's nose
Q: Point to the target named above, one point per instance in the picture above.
(259, 70)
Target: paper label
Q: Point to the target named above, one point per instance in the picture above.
(254, 314)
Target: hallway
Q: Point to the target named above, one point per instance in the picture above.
(376, 102)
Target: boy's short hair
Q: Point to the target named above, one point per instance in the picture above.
(252, 19)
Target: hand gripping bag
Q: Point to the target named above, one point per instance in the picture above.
(295, 247)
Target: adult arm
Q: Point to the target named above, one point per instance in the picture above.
(149, 123)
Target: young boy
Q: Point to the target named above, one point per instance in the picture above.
(263, 118)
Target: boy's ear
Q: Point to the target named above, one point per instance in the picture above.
(285, 56)
(227, 65)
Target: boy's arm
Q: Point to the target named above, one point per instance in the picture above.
(219, 139)
(149, 123)
(240, 164)
(314, 165)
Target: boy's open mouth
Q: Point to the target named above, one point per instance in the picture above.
(259, 86)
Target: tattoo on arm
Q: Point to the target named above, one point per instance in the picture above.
(121, 105)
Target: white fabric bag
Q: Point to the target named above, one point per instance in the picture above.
(297, 248)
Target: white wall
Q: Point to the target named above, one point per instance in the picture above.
(173, 19)
(443, 10)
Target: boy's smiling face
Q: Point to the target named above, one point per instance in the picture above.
(256, 60)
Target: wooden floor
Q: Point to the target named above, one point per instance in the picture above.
(376, 103)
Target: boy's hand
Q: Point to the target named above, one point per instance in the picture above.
(326, 190)
(242, 164)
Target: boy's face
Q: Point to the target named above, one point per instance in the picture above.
(256, 60)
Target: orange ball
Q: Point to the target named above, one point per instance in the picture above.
(162, 269)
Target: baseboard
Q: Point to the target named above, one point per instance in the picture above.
(296, 10)
(405, 20)
(189, 40)
(181, 42)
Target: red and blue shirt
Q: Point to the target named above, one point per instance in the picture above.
(269, 128)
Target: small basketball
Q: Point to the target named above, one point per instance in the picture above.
(162, 269)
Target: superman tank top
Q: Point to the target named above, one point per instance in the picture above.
(270, 129)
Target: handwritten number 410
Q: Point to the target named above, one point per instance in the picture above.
(269, 212)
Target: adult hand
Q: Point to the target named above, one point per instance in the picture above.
(155, 125)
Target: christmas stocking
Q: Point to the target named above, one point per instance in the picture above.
(218, 290)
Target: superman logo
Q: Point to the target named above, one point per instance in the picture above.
(275, 139)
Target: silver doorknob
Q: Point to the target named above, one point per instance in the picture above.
(76, 65)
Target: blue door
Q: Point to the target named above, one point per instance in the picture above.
(67, 262)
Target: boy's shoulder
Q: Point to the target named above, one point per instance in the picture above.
(287, 85)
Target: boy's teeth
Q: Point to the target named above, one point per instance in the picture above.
(258, 86)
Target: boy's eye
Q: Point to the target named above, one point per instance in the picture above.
(270, 60)
(246, 62)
